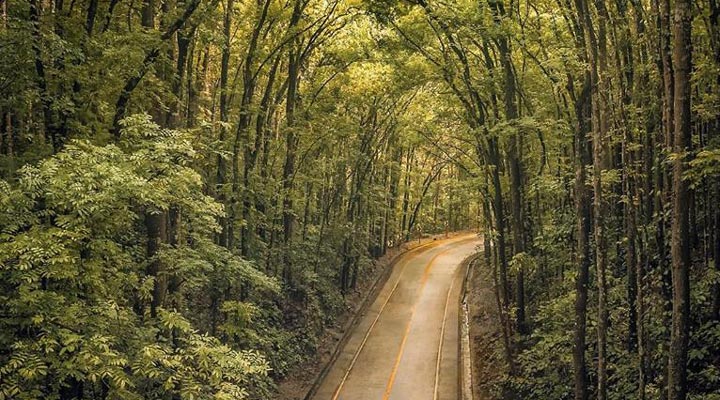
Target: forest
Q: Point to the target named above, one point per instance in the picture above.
(191, 190)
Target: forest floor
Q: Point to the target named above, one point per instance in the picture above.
(485, 333)
(298, 382)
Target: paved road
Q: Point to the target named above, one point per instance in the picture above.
(393, 351)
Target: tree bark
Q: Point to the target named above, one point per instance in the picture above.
(716, 259)
(90, 19)
(291, 134)
(680, 241)
(514, 161)
(583, 213)
(242, 137)
(221, 176)
(156, 226)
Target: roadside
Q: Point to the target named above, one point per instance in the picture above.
(485, 334)
(300, 381)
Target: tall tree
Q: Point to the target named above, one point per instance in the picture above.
(680, 240)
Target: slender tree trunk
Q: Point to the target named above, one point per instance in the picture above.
(4, 125)
(597, 62)
(174, 115)
(262, 131)
(109, 14)
(625, 70)
(499, 217)
(50, 127)
(667, 71)
(196, 85)
(491, 257)
(242, 138)
(631, 256)
(582, 209)
(90, 18)
(406, 194)
(9, 136)
(716, 259)
(432, 175)
(662, 182)
(600, 164)
(679, 243)
(516, 172)
(291, 141)
(4, 13)
(147, 14)
(151, 56)
(291, 134)
(221, 176)
(156, 225)
(644, 262)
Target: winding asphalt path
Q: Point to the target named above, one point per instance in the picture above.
(406, 345)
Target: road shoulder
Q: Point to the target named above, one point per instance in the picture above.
(484, 332)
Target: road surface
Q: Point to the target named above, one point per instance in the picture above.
(393, 351)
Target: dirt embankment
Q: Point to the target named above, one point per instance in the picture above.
(485, 334)
(300, 381)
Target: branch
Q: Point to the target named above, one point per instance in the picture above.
(150, 57)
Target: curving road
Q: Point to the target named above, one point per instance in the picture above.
(406, 345)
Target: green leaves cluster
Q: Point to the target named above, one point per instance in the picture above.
(75, 289)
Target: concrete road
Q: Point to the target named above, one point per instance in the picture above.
(406, 345)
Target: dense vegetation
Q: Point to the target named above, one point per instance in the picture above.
(189, 189)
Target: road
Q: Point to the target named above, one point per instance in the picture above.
(406, 345)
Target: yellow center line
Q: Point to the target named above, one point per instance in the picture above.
(425, 276)
(459, 239)
(369, 331)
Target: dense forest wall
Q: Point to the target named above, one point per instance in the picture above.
(190, 188)
(595, 126)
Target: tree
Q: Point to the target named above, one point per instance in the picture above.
(680, 240)
(187, 183)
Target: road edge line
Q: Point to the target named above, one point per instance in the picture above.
(463, 356)
(442, 336)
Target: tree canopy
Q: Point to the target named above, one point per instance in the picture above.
(192, 190)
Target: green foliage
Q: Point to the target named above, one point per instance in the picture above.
(547, 365)
(705, 165)
(206, 248)
(75, 285)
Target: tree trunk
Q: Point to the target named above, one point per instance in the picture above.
(156, 225)
(516, 172)
(90, 19)
(291, 134)
(679, 243)
(262, 131)
(174, 115)
(596, 50)
(242, 138)
(716, 259)
(221, 176)
(582, 209)
(150, 57)
(147, 14)
(499, 216)
(410, 159)
(50, 127)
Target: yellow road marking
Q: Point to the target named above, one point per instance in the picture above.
(367, 334)
(461, 238)
(425, 276)
(442, 336)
